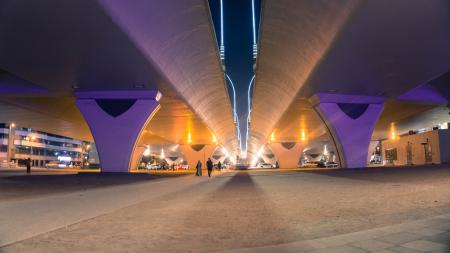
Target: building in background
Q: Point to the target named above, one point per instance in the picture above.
(424, 146)
(18, 144)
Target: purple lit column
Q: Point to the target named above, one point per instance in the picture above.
(116, 119)
(350, 120)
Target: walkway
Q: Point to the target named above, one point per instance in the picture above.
(386, 210)
(427, 235)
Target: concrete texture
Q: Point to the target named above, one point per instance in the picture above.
(385, 210)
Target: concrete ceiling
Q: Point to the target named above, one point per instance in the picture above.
(378, 48)
(50, 48)
(300, 117)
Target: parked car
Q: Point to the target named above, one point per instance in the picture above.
(310, 164)
(75, 165)
(155, 166)
(332, 164)
(55, 165)
(327, 165)
(265, 165)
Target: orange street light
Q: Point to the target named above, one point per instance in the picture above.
(303, 135)
(189, 138)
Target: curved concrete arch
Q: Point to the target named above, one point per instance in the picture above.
(177, 36)
(295, 56)
(366, 48)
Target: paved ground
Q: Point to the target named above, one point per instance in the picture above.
(42, 182)
(385, 210)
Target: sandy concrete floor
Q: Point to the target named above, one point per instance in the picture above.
(16, 185)
(257, 208)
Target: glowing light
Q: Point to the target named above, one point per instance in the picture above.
(222, 46)
(13, 125)
(189, 138)
(88, 147)
(147, 151)
(64, 158)
(303, 135)
(162, 156)
(393, 132)
(325, 151)
(255, 47)
(272, 137)
(158, 96)
(221, 22)
(214, 139)
(234, 100)
(260, 152)
(248, 113)
(253, 21)
(225, 151)
(236, 120)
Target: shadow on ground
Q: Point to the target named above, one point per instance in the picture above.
(237, 215)
(34, 185)
(388, 174)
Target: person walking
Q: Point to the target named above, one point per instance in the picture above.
(28, 164)
(219, 166)
(209, 165)
(199, 168)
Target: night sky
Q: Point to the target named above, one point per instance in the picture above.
(238, 40)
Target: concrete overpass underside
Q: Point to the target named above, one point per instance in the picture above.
(316, 56)
(65, 48)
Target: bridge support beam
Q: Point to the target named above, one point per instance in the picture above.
(116, 120)
(350, 121)
(287, 154)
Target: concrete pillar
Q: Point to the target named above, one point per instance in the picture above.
(288, 156)
(350, 120)
(195, 153)
(11, 145)
(116, 120)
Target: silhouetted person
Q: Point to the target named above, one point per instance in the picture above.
(209, 165)
(219, 166)
(199, 168)
(276, 165)
(28, 164)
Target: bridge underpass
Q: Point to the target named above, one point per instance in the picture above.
(333, 81)
(336, 55)
(101, 55)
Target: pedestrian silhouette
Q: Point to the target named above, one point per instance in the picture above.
(219, 166)
(199, 168)
(209, 165)
(28, 164)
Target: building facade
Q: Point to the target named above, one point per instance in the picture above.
(428, 147)
(18, 144)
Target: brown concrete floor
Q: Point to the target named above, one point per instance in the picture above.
(256, 209)
(16, 185)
